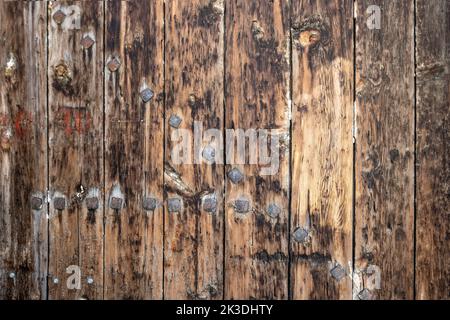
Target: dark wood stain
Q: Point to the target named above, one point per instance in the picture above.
(362, 117)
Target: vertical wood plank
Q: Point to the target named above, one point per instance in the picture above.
(134, 149)
(194, 94)
(75, 98)
(23, 150)
(257, 97)
(432, 149)
(322, 149)
(384, 173)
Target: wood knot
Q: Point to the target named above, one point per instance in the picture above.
(211, 13)
(311, 32)
(62, 78)
(11, 68)
(309, 38)
(5, 140)
(257, 31)
(376, 73)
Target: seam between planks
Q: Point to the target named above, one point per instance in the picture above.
(415, 152)
(224, 190)
(289, 296)
(354, 145)
(46, 194)
(104, 146)
(164, 155)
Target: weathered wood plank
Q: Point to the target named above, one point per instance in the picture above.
(134, 149)
(23, 150)
(257, 97)
(194, 93)
(384, 172)
(432, 149)
(322, 149)
(75, 98)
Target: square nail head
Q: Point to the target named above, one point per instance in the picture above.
(149, 204)
(116, 203)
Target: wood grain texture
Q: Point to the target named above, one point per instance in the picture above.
(432, 149)
(75, 95)
(322, 149)
(102, 175)
(257, 97)
(193, 257)
(384, 172)
(134, 149)
(23, 150)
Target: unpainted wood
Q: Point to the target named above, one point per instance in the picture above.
(23, 150)
(432, 149)
(75, 95)
(384, 159)
(257, 96)
(193, 246)
(322, 149)
(134, 150)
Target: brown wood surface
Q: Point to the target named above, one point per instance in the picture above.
(90, 95)
(23, 150)
(322, 149)
(432, 149)
(193, 246)
(75, 95)
(257, 74)
(384, 160)
(133, 149)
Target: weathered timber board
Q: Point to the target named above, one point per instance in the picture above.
(322, 149)
(257, 77)
(384, 159)
(23, 150)
(75, 95)
(432, 149)
(97, 99)
(193, 246)
(134, 150)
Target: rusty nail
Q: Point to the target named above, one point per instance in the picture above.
(338, 272)
(36, 203)
(241, 205)
(300, 234)
(394, 154)
(12, 275)
(115, 203)
(174, 204)
(364, 294)
(235, 175)
(92, 203)
(174, 121)
(59, 16)
(113, 65)
(149, 204)
(209, 153)
(87, 42)
(146, 95)
(90, 280)
(210, 203)
(273, 210)
(59, 203)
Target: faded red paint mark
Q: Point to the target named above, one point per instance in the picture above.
(75, 120)
(22, 123)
